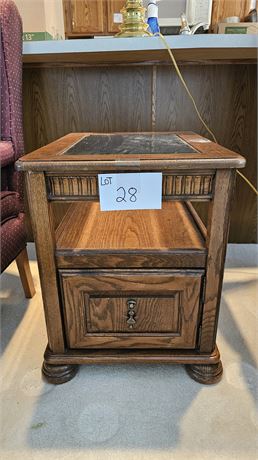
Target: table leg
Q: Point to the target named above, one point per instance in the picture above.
(44, 236)
(205, 373)
(59, 374)
(217, 236)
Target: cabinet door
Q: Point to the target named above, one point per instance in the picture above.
(86, 17)
(225, 8)
(113, 9)
(112, 309)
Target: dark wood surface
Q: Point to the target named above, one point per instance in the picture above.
(146, 98)
(206, 373)
(102, 297)
(58, 374)
(128, 356)
(150, 238)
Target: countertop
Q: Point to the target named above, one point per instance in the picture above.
(146, 49)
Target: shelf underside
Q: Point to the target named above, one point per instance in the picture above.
(88, 238)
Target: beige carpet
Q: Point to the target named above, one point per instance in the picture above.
(131, 412)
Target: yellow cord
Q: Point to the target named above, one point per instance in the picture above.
(195, 106)
(248, 182)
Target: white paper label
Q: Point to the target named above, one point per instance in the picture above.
(118, 18)
(130, 191)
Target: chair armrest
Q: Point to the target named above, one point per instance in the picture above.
(7, 156)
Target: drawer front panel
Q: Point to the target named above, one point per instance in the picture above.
(145, 314)
(131, 309)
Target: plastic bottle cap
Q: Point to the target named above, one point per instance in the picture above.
(152, 10)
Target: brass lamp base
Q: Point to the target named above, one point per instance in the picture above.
(134, 24)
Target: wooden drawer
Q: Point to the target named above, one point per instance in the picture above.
(131, 308)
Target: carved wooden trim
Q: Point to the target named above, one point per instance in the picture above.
(174, 186)
(187, 185)
(72, 186)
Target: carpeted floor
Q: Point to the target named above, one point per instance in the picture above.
(131, 412)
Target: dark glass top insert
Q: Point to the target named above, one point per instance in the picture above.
(130, 144)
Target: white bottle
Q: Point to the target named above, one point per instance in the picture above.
(153, 16)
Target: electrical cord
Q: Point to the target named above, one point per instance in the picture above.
(195, 106)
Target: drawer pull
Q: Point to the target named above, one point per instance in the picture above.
(131, 313)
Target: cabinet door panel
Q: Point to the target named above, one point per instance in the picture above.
(138, 309)
(114, 7)
(87, 16)
(226, 8)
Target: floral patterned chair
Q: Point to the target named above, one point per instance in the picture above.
(13, 233)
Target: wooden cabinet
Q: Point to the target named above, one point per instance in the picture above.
(225, 8)
(113, 8)
(91, 17)
(138, 286)
(84, 17)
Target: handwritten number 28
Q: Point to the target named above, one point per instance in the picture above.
(123, 194)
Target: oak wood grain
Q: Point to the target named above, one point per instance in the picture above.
(148, 238)
(226, 96)
(43, 231)
(113, 6)
(79, 286)
(151, 314)
(168, 228)
(58, 101)
(128, 356)
(164, 308)
(217, 236)
(84, 17)
(177, 186)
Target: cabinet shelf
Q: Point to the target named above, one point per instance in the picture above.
(170, 237)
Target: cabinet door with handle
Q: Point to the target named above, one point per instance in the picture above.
(135, 309)
(84, 17)
(113, 15)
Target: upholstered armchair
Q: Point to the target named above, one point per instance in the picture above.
(13, 233)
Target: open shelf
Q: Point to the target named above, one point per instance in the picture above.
(89, 238)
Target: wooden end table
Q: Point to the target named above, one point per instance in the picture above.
(131, 286)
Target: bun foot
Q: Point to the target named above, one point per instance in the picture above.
(205, 373)
(58, 374)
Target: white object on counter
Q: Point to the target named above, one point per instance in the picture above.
(231, 19)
